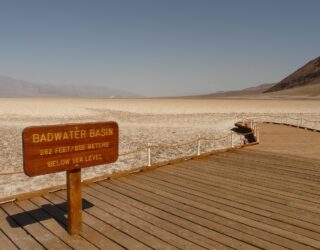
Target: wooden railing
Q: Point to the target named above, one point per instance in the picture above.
(250, 124)
(195, 142)
(295, 121)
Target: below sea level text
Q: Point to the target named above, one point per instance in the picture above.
(75, 160)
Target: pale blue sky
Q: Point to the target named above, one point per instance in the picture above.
(157, 48)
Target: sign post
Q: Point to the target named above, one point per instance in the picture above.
(74, 201)
(56, 148)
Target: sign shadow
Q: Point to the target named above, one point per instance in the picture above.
(57, 212)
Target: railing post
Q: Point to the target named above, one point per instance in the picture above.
(300, 121)
(251, 125)
(231, 139)
(199, 146)
(258, 136)
(149, 155)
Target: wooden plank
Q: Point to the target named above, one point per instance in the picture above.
(74, 201)
(286, 159)
(240, 215)
(296, 226)
(256, 206)
(190, 239)
(294, 183)
(278, 162)
(299, 189)
(189, 171)
(266, 172)
(261, 182)
(204, 179)
(237, 230)
(217, 238)
(280, 139)
(119, 231)
(40, 233)
(94, 237)
(259, 164)
(235, 186)
(17, 234)
(278, 159)
(39, 214)
(142, 221)
(6, 243)
(222, 220)
(219, 187)
(227, 236)
(275, 162)
(257, 186)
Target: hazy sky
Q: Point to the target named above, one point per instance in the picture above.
(158, 47)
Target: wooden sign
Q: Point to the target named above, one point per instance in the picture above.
(50, 149)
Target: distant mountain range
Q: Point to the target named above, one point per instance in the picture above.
(309, 74)
(303, 82)
(10, 87)
(243, 92)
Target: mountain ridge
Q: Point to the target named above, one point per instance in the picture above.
(15, 88)
(259, 89)
(308, 74)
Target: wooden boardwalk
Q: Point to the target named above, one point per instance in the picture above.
(244, 199)
(287, 140)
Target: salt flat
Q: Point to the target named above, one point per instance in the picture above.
(79, 107)
(141, 121)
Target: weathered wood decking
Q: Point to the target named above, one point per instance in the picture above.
(245, 199)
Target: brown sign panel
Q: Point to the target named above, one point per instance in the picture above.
(50, 149)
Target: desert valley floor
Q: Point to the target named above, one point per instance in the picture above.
(141, 121)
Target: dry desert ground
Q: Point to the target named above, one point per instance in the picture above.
(141, 121)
